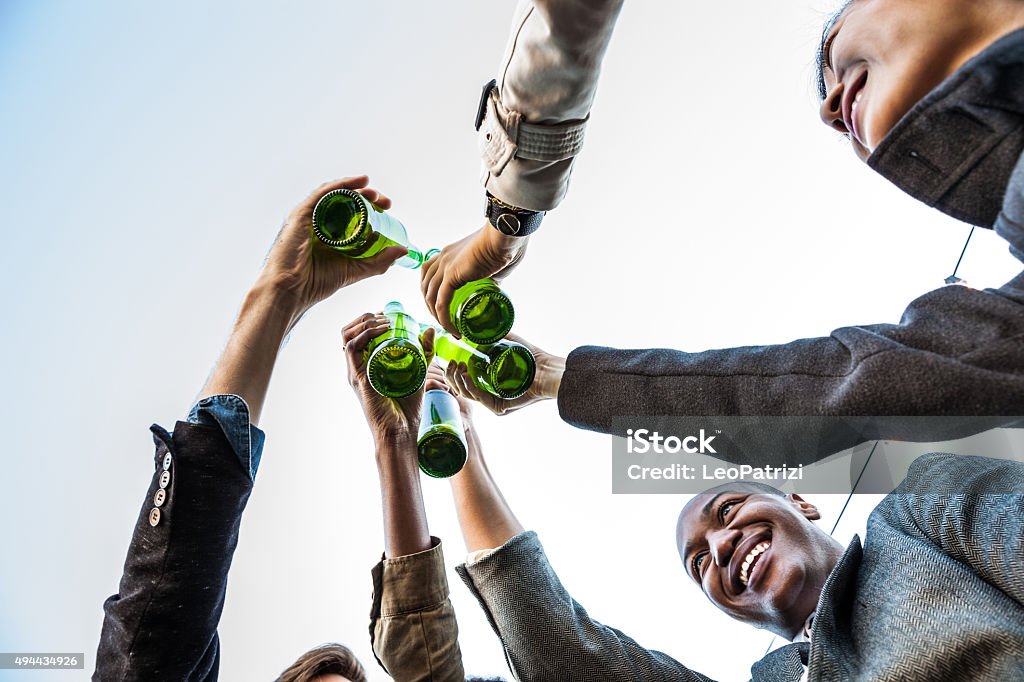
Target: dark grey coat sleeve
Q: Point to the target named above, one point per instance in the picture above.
(162, 623)
(971, 508)
(956, 352)
(546, 634)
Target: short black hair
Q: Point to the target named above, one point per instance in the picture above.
(745, 486)
(820, 67)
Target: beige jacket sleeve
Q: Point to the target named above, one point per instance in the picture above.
(412, 623)
(533, 122)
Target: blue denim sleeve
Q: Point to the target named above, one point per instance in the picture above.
(231, 414)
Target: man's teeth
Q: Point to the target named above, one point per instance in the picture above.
(749, 561)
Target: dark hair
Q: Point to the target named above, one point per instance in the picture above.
(746, 486)
(820, 68)
(324, 660)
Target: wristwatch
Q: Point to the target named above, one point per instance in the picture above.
(511, 220)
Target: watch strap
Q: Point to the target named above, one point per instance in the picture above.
(512, 220)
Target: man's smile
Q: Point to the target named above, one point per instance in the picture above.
(744, 559)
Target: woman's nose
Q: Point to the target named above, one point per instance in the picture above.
(831, 110)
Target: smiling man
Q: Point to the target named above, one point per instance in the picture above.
(755, 556)
(933, 593)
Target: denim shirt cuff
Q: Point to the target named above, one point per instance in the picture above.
(231, 414)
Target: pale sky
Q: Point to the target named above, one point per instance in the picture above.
(149, 153)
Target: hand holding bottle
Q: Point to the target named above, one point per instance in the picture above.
(311, 272)
(389, 419)
(436, 380)
(545, 384)
(484, 253)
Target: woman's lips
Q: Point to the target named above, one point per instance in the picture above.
(851, 106)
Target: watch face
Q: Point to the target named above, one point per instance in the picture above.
(508, 223)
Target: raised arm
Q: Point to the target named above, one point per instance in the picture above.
(162, 623)
(530, 126)
(413, 630)
(954, 354)
(486, 519)
(546, 634)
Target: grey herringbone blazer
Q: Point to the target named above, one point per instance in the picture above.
(935, 593)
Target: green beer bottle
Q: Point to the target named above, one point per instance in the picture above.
(441, 445)
(504, 369)
(394, 360)
(482, 312)
(345, 221)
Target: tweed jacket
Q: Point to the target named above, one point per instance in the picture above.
(934, 593)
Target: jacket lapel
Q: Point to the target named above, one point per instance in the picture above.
(785, 664)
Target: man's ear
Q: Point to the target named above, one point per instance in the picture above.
(808, 510)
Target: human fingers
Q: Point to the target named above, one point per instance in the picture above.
(430, 293)
(357, 335)
(435, 379)
(376, 197)
(443, 303)
(380, 263)
(467, 389)
(352, 182)
(427, 342)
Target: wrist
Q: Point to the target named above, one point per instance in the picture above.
(502, 243)
(276, 296)
(391, 443)
(550, 369)
(512, 220)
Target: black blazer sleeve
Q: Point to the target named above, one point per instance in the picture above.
(162, 623)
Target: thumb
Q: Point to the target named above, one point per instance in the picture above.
(386, 258)
(427, 340)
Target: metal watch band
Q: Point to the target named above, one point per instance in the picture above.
(512, 220)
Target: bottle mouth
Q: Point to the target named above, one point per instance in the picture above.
(441, 453)
(485, 317)
(505, 371)
(324, 206)
(396, 368)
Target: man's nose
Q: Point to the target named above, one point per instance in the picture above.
(723, 543)
(831, 110)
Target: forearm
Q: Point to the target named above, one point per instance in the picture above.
(943, 359)
(486, 519)
(546, 634)
(413, 629)
(247, 362)
(405, 518)
(533, 124)
(159, 625)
